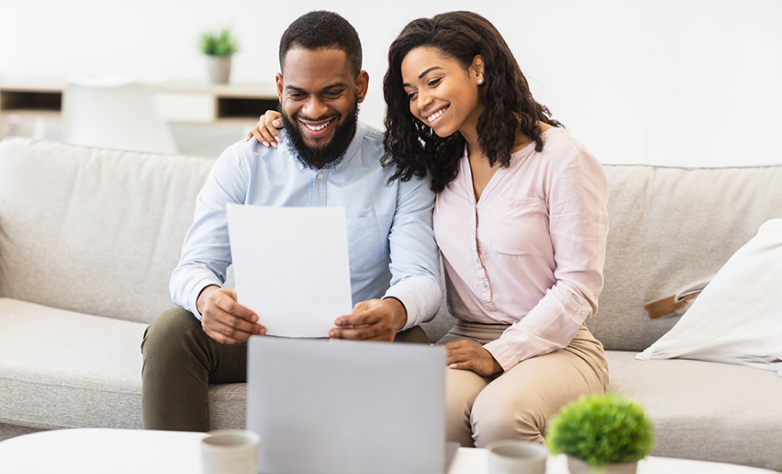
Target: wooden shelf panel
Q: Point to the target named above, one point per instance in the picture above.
(22, 101)
(236, 107)
(225, 103)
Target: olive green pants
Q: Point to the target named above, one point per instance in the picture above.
(181, 360)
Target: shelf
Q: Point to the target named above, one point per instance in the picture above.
(13, 101)
(180, 102)
(240, 107)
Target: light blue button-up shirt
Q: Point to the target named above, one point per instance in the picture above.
(390, 240)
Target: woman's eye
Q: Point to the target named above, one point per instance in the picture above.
(434, 82)
(411, 96)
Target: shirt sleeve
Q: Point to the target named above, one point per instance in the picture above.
(415, 259)
(577, 199)
(206, 253)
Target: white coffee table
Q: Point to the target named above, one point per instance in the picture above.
(88, 451)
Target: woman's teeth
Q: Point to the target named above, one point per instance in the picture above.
(435, 115)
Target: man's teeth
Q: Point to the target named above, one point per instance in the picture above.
(316, 128)
(435, 115)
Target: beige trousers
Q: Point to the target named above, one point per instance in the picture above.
(518, 403)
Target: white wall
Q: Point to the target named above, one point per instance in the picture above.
(674, 82)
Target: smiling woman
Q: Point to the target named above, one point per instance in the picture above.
(438, 85)
(520, 219)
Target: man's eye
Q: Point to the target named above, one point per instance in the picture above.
(332, 93)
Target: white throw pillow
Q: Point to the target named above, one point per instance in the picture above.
(737, 319)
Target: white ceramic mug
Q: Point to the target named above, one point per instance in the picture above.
(516, 457)
(230, 452)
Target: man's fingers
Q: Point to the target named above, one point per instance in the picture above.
(222, 333)
(226, 302)
(240, 324)
(361, 318)
(361, 333)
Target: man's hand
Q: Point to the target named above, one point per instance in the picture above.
(373, 320)
(467, 355)
(225, 320)
(266, 131)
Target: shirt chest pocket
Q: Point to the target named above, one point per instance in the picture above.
(520, 226)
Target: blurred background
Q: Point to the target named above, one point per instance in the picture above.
(666, 82)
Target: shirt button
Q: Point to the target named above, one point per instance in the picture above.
(478, 261)
(485, 284)
(320, 175)
(583, 313)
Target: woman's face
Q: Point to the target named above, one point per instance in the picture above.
(441, 93)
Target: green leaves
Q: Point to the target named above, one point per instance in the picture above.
(219, 44)
(601, 429)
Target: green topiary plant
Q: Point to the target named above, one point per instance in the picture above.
(219, 44)
(600, 430)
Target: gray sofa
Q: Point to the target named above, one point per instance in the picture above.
(88, 239)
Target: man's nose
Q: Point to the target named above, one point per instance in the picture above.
(315, 108)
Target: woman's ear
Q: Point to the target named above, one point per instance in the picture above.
(477, 69)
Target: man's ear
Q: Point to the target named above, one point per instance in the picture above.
(362, 84)
(477, 69)
(278, 80)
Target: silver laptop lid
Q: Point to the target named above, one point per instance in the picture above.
(346, 406)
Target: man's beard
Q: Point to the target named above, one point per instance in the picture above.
(319, 157)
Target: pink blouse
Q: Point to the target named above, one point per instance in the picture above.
(530, 252)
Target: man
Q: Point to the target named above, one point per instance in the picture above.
(327, 158)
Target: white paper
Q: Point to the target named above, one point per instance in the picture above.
(291, 266)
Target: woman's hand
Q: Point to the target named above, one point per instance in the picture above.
(266, 131)
(467, 355)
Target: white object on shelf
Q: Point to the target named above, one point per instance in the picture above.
(114, 113)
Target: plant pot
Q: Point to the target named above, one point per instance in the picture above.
(219, 68)
(577, 466)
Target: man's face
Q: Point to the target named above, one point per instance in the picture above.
(319, 100)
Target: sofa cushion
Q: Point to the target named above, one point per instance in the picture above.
(705, 410)
(64, 369)
(60, 369)
(670, 227)
(737, 319)
(93, 231)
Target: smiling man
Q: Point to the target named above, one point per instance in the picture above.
(326, 158)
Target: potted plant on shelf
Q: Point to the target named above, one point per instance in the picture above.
(218, 48)
(605, 434)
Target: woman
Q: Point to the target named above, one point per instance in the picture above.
(521, 221)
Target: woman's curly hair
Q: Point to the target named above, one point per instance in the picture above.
(508, 103)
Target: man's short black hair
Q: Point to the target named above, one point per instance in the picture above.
(322, 29)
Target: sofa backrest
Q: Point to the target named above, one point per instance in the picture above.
(91, 230)
(670, 227)
(99, 231)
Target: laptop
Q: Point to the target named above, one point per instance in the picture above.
(347, 406)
